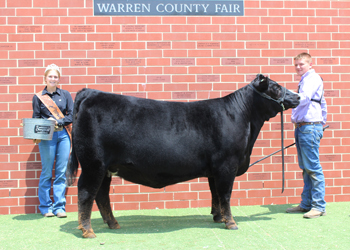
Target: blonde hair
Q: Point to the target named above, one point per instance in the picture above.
(52, 67)
(304, 55)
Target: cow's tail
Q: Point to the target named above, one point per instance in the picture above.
(72, 167)
(73, 162)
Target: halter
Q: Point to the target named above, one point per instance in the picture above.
(280, 102)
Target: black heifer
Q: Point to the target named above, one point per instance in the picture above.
(157, 143)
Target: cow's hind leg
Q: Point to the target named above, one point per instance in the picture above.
(89, 184)
(85, 202)
(215, 204)
(104, 204)
(224, 183)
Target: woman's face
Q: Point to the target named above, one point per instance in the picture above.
(52, 79)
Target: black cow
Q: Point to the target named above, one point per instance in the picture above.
(158, 143)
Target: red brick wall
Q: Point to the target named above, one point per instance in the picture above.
(174, 58)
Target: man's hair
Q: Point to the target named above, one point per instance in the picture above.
(304, 55)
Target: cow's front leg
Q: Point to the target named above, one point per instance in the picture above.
(224, 182)
(215, 204)
(104, 204)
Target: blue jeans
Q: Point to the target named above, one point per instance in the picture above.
(307, 139)
(59, 148)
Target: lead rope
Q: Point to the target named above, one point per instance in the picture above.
(282, 142)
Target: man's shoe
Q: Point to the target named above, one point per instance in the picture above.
(49, 214)
(313, 213)
(61, 215)
(297, 209)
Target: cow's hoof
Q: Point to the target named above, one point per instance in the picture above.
(231, 226)
(89, 234)
(114, 226)
(218, 219)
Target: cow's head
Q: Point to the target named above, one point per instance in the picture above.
(274, 92)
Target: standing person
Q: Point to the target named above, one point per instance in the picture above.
(309, 118)
(58, 147)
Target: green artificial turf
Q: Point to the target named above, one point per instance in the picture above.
(260, 227)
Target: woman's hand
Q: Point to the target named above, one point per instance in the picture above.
(36, 141)
(50, 118)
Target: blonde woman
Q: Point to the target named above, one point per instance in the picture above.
(58, 148)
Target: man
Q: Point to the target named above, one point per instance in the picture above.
(309, 118)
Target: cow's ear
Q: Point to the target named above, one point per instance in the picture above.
(262, 83)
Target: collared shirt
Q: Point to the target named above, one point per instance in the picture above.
(63, 100)
(310, 87)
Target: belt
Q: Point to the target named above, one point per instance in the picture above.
(298, 125)
(57, 128)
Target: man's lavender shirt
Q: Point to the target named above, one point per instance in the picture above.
(310, 87)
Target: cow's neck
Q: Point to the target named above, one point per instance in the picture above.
(258, 115)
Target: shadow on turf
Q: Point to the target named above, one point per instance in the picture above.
(143, 224)
(28, 217)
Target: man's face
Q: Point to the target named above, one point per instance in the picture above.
(302, 66)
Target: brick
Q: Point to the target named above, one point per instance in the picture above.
(21, 38)
(152, 205)
(8, 29)
(198, 20)
(231, 36)
(149, 37)
(200, 36)
(124, 20)
(174, 36)
(102, 87)
(55, 12)
(175, 70)
(98, 20)
(70, 20)
(255, 12)
(99, 54)
(22, 3)
(340, 20)
(199, 53)
(272, 4)
(132, 45)
(80, 12)
(183, 78)
(158, 28)
(248, 20)
(208, 61)
(44, 3)
(46, 20)
(71, 4)
(183, 45)
(251, 202)
(107, 28)
(176, 204)
(256, 28)
(205, 28)
(21, 54)
(28, 12)
(161, 196)
(81, 46)
(186, 196)
(175, 87)
(272, 20)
